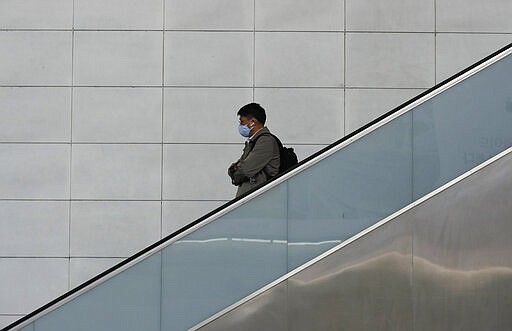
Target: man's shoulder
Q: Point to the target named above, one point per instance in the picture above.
(263, 135)
(266, 140)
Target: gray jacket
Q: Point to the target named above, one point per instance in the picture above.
(258, 162)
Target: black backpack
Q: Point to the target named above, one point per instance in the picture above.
(287, 156)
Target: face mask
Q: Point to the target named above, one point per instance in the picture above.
(244, 130)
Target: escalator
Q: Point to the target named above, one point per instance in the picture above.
(441, 263)
(328, 198)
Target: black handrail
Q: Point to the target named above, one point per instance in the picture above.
(231, 202)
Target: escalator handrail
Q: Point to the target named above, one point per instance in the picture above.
(232, 204)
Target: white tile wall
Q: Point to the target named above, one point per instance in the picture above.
(108, 171)
(34, 171)
(34, 228)
(31, 283)
(35, 114)
(203, 115)
(208, 58)
(204, 179)
(397, 15)
(113, 228)
(365, 105)
(209, 14)
(458, 51)
(210, 61)
(83, 269)
(307, 116)
(118, 58)
(296, 59)
(177, 214)
(36, 14)
(474, 16)
(117, 115)
(119, 14)
(301, 15)
(390, 60)
(35, 58)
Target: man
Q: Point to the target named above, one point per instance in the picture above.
(260, 158)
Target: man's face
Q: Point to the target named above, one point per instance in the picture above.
(250, 122)
(244, 120)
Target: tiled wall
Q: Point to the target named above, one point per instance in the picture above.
(117, 117)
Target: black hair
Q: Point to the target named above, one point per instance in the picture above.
(253, 110)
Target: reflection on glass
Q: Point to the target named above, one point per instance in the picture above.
(462, 127)
(225, 261)
(349, 191)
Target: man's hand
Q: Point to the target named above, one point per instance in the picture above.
(231, 170)
(231, 173)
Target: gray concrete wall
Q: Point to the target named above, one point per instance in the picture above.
(117, 117)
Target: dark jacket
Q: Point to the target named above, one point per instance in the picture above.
(258, 163)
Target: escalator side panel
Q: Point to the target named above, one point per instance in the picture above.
(445, 264)
(130, 303)
(463, 254)
(267, 311)
(349, 191)
(367, 286)
(462, 127)
(364, 286)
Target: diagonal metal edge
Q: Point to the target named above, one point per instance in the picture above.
(357, 236)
